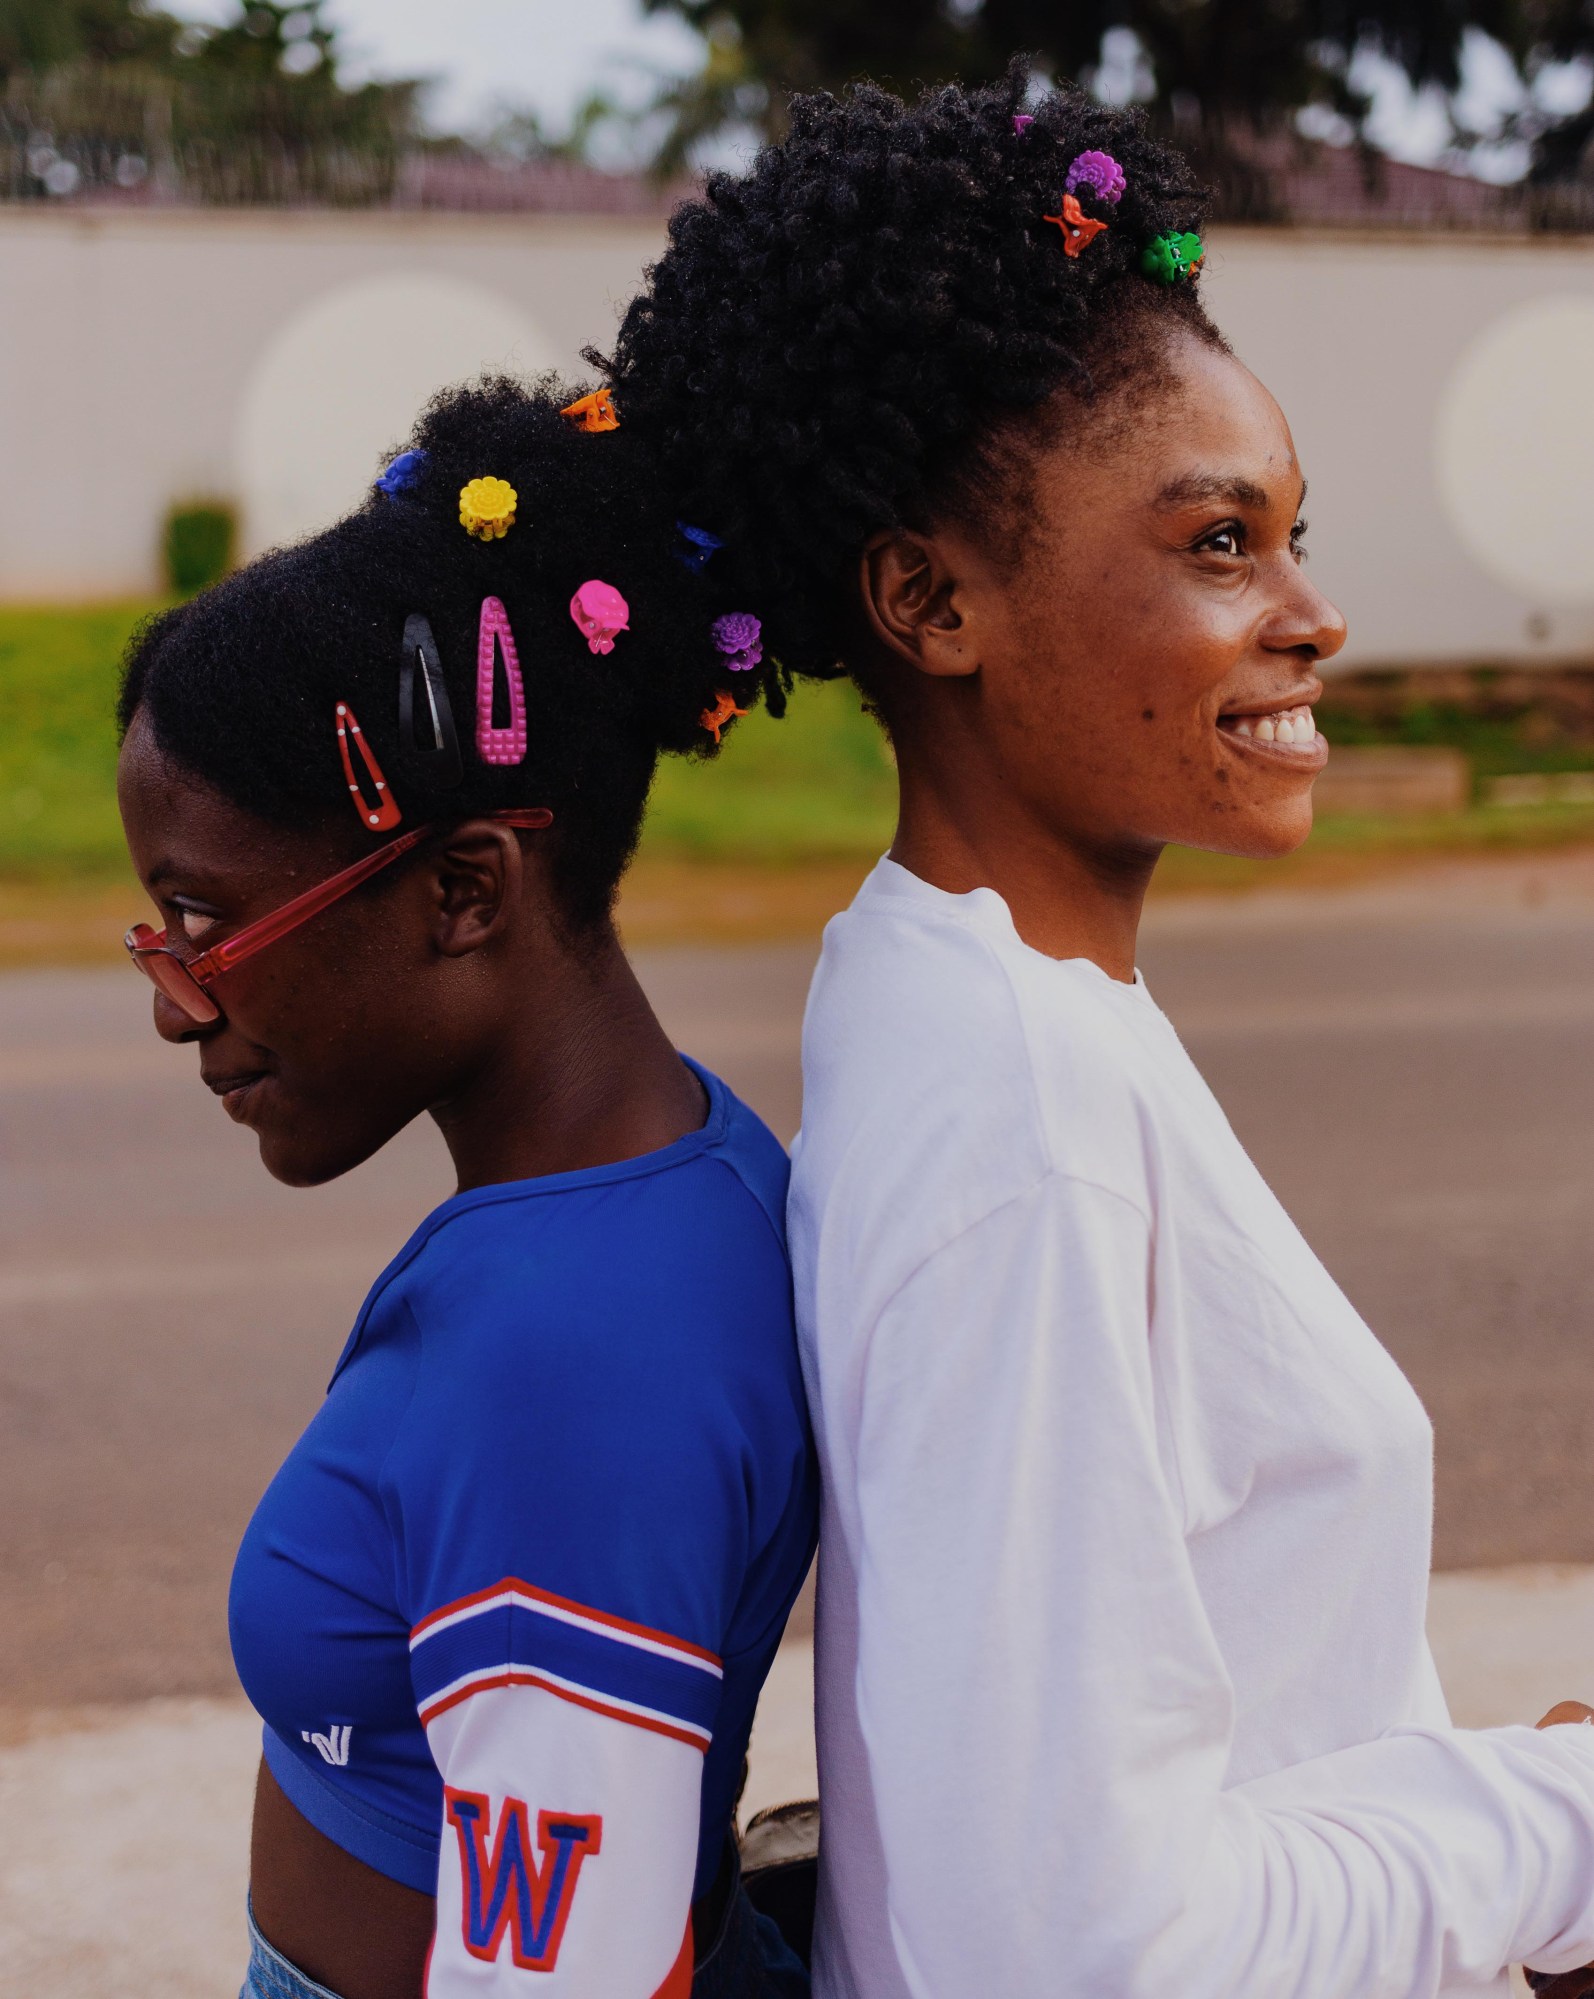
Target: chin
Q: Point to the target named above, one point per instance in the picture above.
(306, 1159)
(1261, 835)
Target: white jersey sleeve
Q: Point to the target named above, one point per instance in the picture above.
(570, 1745)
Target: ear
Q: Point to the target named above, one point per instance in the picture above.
(476, 885)
(913, 600)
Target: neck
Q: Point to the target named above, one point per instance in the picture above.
(960, 827)
(580, 1074)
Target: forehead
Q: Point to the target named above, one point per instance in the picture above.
(1218, 416)
(1204, 428)
(178, 825)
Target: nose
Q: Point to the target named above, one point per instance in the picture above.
(1305, 621)
(173, 1025)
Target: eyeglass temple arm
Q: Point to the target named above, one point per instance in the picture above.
(256, 936)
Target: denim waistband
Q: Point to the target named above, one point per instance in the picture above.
(746, 1959)
(271, 1976)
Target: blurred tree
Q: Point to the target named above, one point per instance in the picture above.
(99, 92)
(37, 34)
(1217, 61)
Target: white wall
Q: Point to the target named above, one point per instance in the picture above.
(1441, 391)
(271, 356)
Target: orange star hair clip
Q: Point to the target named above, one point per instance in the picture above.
(595, 412)
(1078, 228)
(724, 710)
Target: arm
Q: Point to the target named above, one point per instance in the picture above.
(1047, 1714)
(571, 1751)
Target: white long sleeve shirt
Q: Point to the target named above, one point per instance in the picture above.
(1123, 1689)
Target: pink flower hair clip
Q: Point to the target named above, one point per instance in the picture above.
(740, 636)
(601, 614)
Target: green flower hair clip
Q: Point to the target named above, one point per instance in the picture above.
(1170, 258)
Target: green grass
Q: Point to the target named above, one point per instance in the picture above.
(816, 786)
(58, 676)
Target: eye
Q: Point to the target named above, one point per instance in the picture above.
(1298, 540)
(195, 924)
(1228, 538)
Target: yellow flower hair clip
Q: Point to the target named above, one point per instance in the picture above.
(487, 508)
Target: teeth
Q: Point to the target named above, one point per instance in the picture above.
(1296, 727)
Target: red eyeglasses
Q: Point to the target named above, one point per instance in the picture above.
(184, 980)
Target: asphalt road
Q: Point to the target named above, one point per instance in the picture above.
(1412, 1071)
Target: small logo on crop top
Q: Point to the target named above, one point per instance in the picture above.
(333, 1746)
(506, 1891)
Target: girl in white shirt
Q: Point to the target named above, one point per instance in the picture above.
(1123, 1687)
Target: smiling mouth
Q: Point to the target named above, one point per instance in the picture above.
(235, 1091)
(1287, 732)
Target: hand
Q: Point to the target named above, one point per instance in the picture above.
(1565, 1984)
(1565, 1711)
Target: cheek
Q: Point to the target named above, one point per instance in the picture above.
(1123, 659)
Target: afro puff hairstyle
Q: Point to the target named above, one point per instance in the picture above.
(240, 685)
(848, 337)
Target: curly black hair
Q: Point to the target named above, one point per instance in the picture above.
(862, 331)
(240, 685)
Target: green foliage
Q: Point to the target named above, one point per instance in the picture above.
(37, 34)
(199, 544)
(815, 784)
(58, 678)
(1495, 744)
(110, 91)
(1209, 62)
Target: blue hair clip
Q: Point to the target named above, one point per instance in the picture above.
(700, 545)
(402, 473)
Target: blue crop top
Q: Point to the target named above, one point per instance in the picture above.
(507, 1607)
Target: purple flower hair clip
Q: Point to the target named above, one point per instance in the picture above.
(1099, 174)
(1022, 121)
(740, 636)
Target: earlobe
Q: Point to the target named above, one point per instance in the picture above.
(913, 603)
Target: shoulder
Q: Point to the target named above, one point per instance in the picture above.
(644, 1299)
(947, 1068)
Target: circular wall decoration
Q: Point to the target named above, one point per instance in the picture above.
(1514, 450)
(341, 384)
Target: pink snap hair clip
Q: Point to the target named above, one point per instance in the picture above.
(493, 636)
(1098, 174)
(1022, 121)
(740, 636)
(601, 614)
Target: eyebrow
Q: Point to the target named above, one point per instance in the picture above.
(1195, 487)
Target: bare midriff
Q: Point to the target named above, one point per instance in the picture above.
(345, 1926)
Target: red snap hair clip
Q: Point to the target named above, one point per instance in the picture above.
(386, 814)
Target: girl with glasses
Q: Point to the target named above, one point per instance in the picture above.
(1123, 1688)
(507, 1606)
